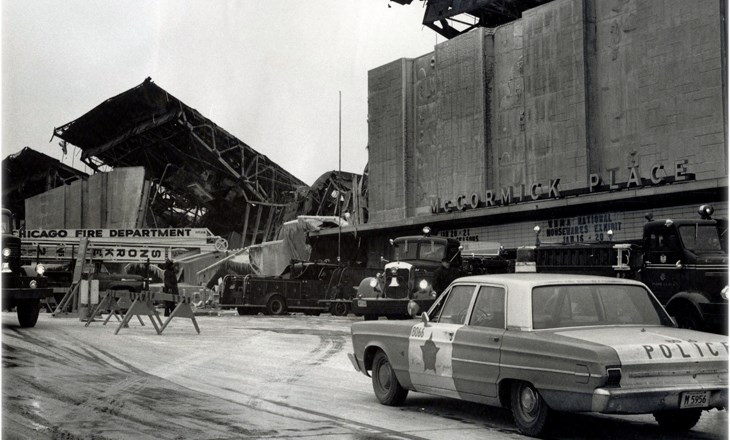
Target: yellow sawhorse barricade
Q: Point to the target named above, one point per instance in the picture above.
(142, 304)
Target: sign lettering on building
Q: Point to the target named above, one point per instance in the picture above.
(110, 254)
(151, 233)
(550, 189)
(582, 228)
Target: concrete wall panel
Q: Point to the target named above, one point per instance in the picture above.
(386, 140)
(658, 87)
(106, 201)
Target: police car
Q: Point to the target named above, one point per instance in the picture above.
(539, 343)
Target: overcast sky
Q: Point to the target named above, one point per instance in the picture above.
(266, 71)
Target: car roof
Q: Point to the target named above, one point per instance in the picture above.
(520, 285)
(532, 279)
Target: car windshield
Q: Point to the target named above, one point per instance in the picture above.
(700, 237)
(595, 304)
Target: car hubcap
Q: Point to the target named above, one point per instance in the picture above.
(384, 376)
(528, 401)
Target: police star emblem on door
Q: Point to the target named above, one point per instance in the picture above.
(429, 351)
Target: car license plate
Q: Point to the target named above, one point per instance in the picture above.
(694, 399)
(361, 303)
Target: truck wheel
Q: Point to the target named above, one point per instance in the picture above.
(340, 309)
(689, 319)
(531, 413)
(385, 384)
(678, 419)
(276, 306)
(28, 312)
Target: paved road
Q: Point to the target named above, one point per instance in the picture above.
(242, 377)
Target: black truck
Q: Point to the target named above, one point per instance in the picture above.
(683, 261)
(20, 291)
(309, 287)
(409, 277)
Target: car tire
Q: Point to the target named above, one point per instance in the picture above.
(385, 384)
(340, 309)
(678, 420)
(276, 306)
(529, 410)
(28, 311)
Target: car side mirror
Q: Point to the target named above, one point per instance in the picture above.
(424, 319)
(413, 309)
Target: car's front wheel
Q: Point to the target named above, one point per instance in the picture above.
(386, 386)
(678, 419)
(532, 415)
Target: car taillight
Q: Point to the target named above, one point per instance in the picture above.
(614, 377)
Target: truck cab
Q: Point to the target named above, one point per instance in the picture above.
(686, 266)
(416, 260)
(408, 276)
(19, 290)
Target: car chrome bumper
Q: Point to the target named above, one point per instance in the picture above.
(357, 364)
(644, 401)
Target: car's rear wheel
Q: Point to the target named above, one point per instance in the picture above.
(532, 415)
(385, 384)
(678, 419)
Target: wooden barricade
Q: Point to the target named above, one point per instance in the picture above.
(143, 304)
(182, 310)
(110, 300)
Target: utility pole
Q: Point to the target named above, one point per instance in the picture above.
(339, 175)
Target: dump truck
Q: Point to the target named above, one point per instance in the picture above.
(20, 291)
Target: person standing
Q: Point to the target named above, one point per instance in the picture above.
(170, 285)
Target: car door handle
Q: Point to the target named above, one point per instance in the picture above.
(451, 335)
(495, 339)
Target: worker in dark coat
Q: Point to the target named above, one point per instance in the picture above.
(443, 276)
(170, 285)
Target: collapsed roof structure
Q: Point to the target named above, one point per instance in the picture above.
(451, 18)
(28, 173)
(202, 175)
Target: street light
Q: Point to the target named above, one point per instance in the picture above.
(537, 235)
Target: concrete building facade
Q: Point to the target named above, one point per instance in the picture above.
(581, 109)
